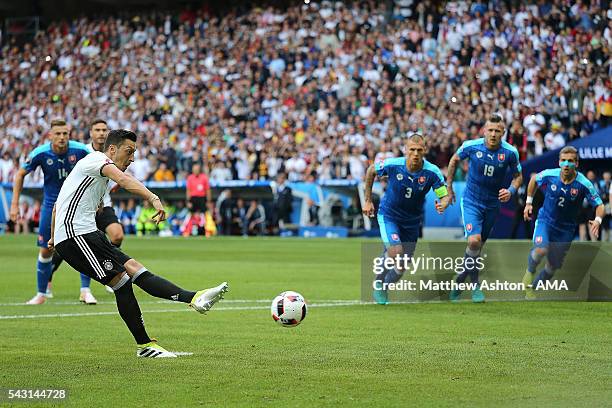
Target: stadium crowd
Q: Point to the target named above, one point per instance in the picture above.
(318, 90)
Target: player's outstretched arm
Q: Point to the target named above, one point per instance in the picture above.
(505, 194)
(136, 187)
(531, 189)
(17, 188)
(450, 174)
(368, 208)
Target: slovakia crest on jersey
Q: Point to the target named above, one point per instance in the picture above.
(501, 157)
(395, 237)
(468, 227)
(72, 158)
(422, 180)
(574, 192)
(538, 239)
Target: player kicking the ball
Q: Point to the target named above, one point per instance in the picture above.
(489, 159)
(85, 248)
(401, 209)
(564, 189)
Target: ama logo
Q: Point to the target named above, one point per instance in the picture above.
(468, 227)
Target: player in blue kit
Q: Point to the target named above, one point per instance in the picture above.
(564, 191)
(489, 160)
(401, 209)
(56, 159)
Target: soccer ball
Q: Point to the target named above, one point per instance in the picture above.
(289, 309)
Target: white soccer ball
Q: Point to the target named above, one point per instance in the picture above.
(289, 309)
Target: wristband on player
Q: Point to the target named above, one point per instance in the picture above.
(512, 190)
(529, 200)
(598, 220)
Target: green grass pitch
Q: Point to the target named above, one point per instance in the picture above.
(344, 353)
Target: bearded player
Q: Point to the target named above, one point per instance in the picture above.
(489, 160)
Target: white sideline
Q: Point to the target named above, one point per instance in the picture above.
(167, 302)
(221, 308)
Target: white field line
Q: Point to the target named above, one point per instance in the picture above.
(221, 308)
(156, 302)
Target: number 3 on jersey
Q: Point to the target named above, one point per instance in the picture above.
(488, 170)
(408, 192)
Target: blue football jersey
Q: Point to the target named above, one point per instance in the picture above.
(487, 170)
(55, 167)
(562, 202)
(403, 200)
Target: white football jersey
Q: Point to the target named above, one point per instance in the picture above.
(106, 200)
(80, 197)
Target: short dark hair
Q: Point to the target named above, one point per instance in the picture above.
(58, 122)
(569, 149)
(96, 121)
(416, 137)
(496, 118)
(117, 136)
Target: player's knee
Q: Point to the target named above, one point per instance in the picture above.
(118, 281)
(117, 238)
(541, 252)
(45, 253)
(132, 267)
(394, 250)
(474, 242)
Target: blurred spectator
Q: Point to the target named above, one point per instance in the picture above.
(163, 173)
(283, 201)
(313, 213)
(144, 220)
(6, 168)
(127, 216)
(605, 188)
(256, 218)
(312, 87)
(519, 201)
(554, 139)
(240, 220)
(177, 218)
(224, 209)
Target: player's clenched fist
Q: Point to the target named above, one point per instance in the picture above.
(368, 209)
